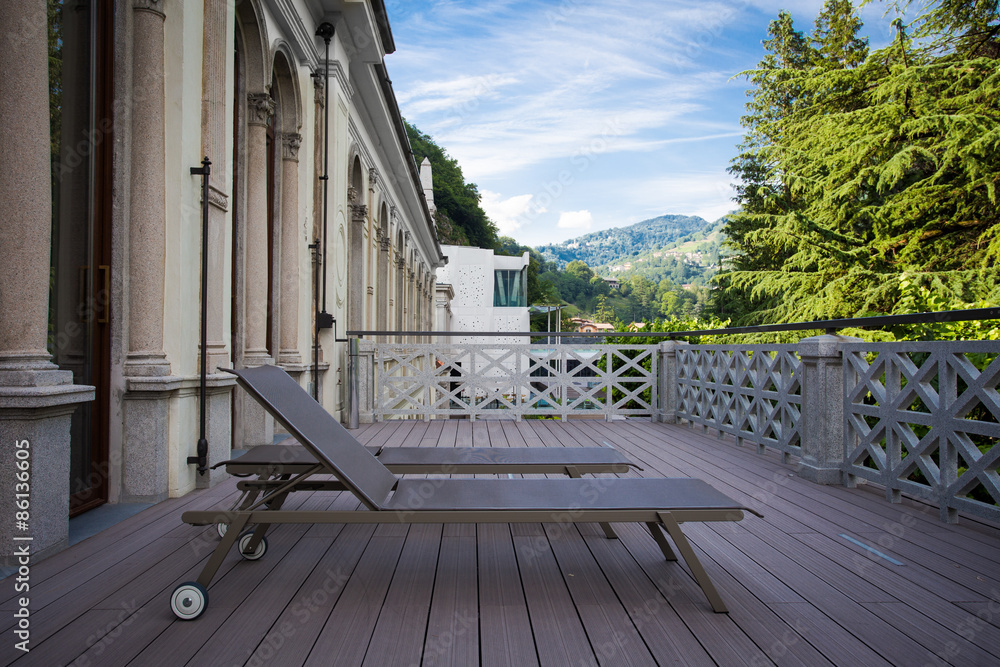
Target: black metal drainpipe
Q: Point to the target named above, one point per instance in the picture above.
(202, 458)
(323, 319)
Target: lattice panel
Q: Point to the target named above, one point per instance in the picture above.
(924, 418)
(753, 392)
(515, 380)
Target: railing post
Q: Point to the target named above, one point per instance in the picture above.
(362, 389)
(822, 418)
(667, 411)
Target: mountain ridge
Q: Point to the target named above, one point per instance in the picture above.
(617, 244)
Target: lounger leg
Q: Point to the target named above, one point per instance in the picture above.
(219, 555)
(661, 540)
(609, 532)
(700, 575)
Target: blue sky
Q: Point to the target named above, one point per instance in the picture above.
(581, 115)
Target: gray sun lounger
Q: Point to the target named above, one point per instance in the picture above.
(662, 504)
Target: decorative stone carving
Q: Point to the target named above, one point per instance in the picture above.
(153, 6)
(371, 290)
(319, 87)
(358, 212)
(260, 108)
(290, 143)
(218, 198)
(385, 243)
(372, 178)
(352, 195)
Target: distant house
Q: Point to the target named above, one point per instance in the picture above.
(595, 327)
(613, 283)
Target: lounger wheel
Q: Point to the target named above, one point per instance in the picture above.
(222, 528)
(257, 553)
(189, 600)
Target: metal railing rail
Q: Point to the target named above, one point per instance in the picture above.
(830, 326)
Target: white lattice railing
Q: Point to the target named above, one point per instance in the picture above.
(752, 392)
(514, 380)
(922, 418)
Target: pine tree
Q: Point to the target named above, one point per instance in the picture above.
(889, 169)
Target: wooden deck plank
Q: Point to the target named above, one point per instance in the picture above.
(560, 638)
(505, 630)
(453, 625)
(941, 644)
(612, 634)
(400, 632)
(345, 637)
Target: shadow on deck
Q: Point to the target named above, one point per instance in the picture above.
(828, 576)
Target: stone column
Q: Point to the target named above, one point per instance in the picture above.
(356, 267)
(400, 307)
(288, 355)
(258, 426)
(149, 384)
(36, 398)
(384, 282)
(147, 213)
(822, 420)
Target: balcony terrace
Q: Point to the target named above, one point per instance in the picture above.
(890, 559)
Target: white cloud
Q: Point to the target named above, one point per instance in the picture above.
(508, 214)
(575, 220)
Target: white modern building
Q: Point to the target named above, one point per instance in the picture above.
(490, 293)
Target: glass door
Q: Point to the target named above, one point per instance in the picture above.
(80, 71)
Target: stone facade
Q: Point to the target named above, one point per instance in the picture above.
(255, 103)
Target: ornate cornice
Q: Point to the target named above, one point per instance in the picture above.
(290, 143)
(260, 108)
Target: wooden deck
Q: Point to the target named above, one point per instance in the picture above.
(801, 591)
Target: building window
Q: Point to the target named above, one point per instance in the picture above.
(509, 289)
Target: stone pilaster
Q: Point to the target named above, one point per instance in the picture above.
(36, 399)
(215, 111)
(288, 354)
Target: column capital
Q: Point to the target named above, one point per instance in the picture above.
(260, 108)
(290, 142)
(151, 6)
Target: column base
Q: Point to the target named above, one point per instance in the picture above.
(146, 436)
(37, 420)
(820, 474)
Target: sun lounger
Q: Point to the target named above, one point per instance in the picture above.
(662, 504)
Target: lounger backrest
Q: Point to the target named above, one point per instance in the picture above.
(318, 431)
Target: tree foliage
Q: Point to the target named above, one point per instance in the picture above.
(460, 218)
(855, 171)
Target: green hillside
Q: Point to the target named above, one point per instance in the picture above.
(618, 244)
